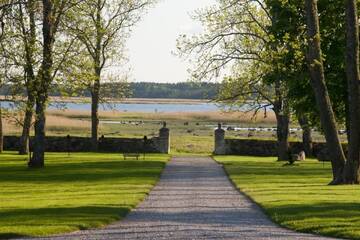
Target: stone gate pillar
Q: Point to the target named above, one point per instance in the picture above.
(220, 146)
(164, 136)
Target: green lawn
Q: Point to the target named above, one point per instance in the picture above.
(77, 192)
(298, 197)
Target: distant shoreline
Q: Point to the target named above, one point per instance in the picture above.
(124, 101)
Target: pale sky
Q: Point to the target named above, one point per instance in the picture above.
(154, 38)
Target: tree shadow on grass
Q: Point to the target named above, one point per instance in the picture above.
(333, 219)
(58, 219)
(83, 171)
(11, 235)
(272, 169)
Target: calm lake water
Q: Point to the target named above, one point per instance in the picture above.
(136, 107)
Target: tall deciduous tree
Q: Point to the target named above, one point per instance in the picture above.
(50, 21)
(327, 116)
(344, 110)
(28, 30)
(239, 37)
(52, 16)
(102, 26)
(3, 11)
(21, 49)
(351, 174)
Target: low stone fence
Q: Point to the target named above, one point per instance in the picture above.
(262, 148)
(160, 144)
(265, 148)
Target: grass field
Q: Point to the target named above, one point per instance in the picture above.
(77, 192)
(298, 197)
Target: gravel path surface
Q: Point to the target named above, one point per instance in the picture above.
(193, 200)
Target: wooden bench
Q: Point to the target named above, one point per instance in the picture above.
(131, 155)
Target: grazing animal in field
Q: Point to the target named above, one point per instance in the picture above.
(251, 134)
(302, 156)
(299, 157)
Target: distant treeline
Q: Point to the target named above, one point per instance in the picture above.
(184, 90)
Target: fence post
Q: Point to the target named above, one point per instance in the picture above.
(164, 135)
(220, 146)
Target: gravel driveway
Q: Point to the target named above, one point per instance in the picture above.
(193, 200)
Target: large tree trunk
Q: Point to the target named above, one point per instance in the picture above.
(25, 136)
(95, 90)
(318, 83)
(1, 132)
(38, 159)
(95, 96)
(283, 121)
(44, 81)
(351, 173)
(306, 136)
(282, 113)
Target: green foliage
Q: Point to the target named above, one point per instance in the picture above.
(259, 49)
(184, 90)
(101, 28)
(289, 29)
(298, 197)
(72, 193)
(237, 47)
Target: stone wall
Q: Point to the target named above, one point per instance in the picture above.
(262, 148)
(266, 148)
(82, 144)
